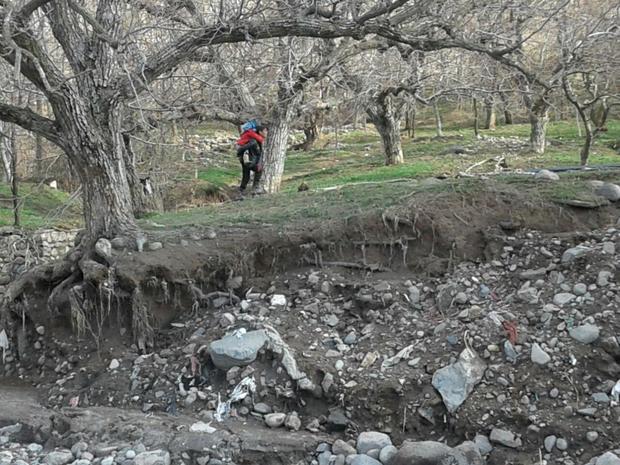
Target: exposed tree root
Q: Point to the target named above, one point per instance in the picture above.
(374, 267)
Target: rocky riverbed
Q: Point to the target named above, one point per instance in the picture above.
(514, 360)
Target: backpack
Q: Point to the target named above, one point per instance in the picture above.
(250, 125)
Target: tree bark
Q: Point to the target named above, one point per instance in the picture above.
(587, 144)
(386, 119)
(14, 177)
(38, 147)
(539, 118)
(438, 122)
(410, 121)
(275, 151)
(96, 149)
(5, 155)
(490, 122)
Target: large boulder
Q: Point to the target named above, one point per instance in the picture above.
(608, 191)
(237, 349)
(437, 453)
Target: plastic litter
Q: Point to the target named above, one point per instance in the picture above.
(201, 427)
(246, 386)
(396, 359)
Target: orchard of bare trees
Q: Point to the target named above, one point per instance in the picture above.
(90, 77)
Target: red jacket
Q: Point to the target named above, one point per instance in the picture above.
(249, 135)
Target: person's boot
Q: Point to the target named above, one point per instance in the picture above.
(241, 193)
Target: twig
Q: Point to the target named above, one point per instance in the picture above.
(460, 219)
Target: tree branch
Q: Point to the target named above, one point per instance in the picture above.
(31, 121)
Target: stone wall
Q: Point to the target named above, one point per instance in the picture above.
(20, 250)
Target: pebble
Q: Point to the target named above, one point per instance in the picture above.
(550, 442)
(539, 356)
(275, 420)
(586, 334)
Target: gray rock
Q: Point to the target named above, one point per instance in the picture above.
(563, 298)
(275, 420)
(386, 454)
(561, 444)
(580, 289)
(324, 458)
(608, 458)
(152, 246)
(550, 442)
(59, 457)
(364, 460)
(341, 447)
(337, 420)
(369, 440)
(608, 191)
(592, 436)
(156, 457)
(546, 175)
(103, 247)
(262, 408)
(483, 444)
(292, 422)
(327, 383)
(528, 295)
(505, 438)
(539, 356)
(510, 352)
(603, 278)
(457, 381)
(233, 350)
(436, 453)
(601, 398)
(444, 297)
(414, 295)
(586, 334)
(574, 253)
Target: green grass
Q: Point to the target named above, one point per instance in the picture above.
(359, 157)
(39, 203)
(311, 210)
(357, 163)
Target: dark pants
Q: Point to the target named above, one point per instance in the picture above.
(255, 164)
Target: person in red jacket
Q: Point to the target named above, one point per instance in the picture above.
(250, 151)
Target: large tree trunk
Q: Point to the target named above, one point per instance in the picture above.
(386, 119)
(490, 122)
(275, 152)
(539, 118)
(96, 149)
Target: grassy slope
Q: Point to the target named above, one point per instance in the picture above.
(39, 205)
(360, 157)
